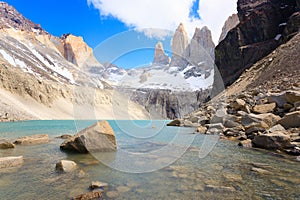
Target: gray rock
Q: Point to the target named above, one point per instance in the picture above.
(278, 98)
(96, 138)
(176, 122)
(276, 140)
(8, 162)
(292, 96)
(275, 128)
(264, 108)
(66, 166)
(33, 139)
(290, 120)
(269, 119)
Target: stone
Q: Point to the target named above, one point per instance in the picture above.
(66, 166)
(290, 120)
(160, 58)
(218, 126)
(176, 122)
(96, 138)
(238, 104)
(245, 143)
(122, 189)
(33, 139)
(231, 124)
(269, 119)
(214, 188)
(292, 96)
(187, 123)
(98, 184)
(276, 128)
(8, 162)
(294, 151)
(201, 129)
(6, 145)
(278, 98)
(66, 136)
(260, 170)
(273, 141)
(89, 196)
(112, 194)
(264, 108)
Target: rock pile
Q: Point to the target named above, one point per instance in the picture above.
(256, 118)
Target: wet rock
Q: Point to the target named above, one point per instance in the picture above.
(66, 136)
(246, 143)
(292, 96)
(291, 120)
(89, 196)
(98, 184)
(122, 189)
(298, 158)
(276, 140)
(33, 139)
(260, 170)
(8, 162)
(6, 145)
(112, 194)
(66, 166)
(176, 122)
(294, 151)
(96, 138)
(201, 129)
(214, 188)
(264, 108)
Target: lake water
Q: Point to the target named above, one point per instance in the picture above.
(152, 162)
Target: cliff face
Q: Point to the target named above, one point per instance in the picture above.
(262, 28)
(201, 48)
(230, 23)
(179, 45)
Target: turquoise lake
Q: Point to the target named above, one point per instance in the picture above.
(152, 162)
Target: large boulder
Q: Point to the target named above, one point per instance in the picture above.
(66, 166)
(269, 119)
(264, 108)
(291, 120)
(33, 139)
(7, 162)
(99, 137)
(292, 96)
(276, 140)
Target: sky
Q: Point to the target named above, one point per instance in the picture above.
(99, 21)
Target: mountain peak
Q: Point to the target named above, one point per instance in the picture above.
(11, 18)
(159, 55)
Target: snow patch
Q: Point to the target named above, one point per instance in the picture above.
(277, 37)
(8, 57)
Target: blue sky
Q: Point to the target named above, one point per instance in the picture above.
(99, 20)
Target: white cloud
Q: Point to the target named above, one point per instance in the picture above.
(167, 14)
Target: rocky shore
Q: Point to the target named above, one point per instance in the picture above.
(254, 118)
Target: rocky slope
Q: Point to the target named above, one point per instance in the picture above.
(38, 82)
(264, 25)
(261, 108)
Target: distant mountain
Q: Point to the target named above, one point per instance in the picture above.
(230, 23)
(43, 76)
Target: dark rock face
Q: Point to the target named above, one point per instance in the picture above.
(230, 23)
(263, 27)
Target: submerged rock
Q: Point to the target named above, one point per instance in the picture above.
(66, 166)
(99, 137)
(6, 145)
(8, 162)
(66, 136)
(246, 143)
(33, 139)
(89, 196)
(214, 188)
